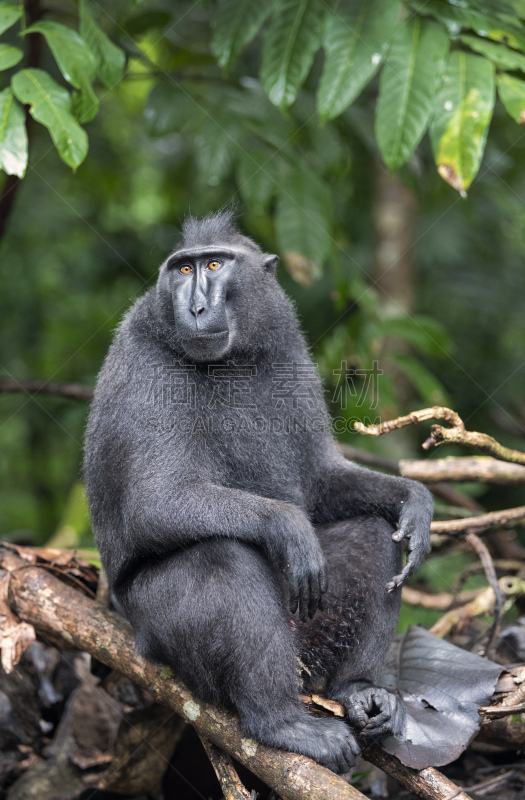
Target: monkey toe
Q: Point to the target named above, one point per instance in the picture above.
(330, 742)
(375, 712)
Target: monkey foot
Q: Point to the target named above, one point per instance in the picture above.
(374, 712)
(330, 742)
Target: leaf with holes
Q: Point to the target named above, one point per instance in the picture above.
(355, 43)
(462, 112)
(50, 105)
(76, 63)
(511, 92)
(235, 24)
(13, 136)
(9, 14)
(409, 80)
(290, 43)
(110, 59)
(303, 224)
(9, 56)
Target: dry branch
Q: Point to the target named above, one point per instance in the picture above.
(58, 611)
(456, 434)
(482, 523)
(484, 469)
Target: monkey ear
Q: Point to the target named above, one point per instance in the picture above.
(270, 263)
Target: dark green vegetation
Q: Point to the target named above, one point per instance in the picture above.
(196, 105)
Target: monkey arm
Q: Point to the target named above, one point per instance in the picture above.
(164, 519)
(346, 490)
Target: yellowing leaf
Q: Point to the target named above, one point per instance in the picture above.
(462, 113)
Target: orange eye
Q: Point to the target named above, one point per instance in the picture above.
(186, 269)
(214, 264)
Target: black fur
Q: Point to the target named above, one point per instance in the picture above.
(220, 508)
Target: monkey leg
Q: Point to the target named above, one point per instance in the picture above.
(215, 613)
(344, 646)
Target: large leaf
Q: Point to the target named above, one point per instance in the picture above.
(235, 24)
(498, 53)
(9, 56)
(442, 687)
(511, 92)
(408, 83)
(290, 43)
(256, 178)
(50, 105)
(9, 14)
(463, 110)
(303, 224)
(110, 59)
(355, 42)
(13, 136)
(75, 61)
(485, 24)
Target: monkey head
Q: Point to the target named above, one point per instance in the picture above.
(213, 292)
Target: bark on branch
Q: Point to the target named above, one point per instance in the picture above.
(58, 611)
(439, 435)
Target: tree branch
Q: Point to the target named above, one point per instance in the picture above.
(460, 470)
(76, 391)
(482, 523)
(439, 435)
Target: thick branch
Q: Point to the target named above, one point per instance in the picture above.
(440, 435)
(58, 611)
(460, 470)
(481, 523)
(76, 391)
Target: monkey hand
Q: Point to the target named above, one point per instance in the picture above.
(303, 563)
(414, 526)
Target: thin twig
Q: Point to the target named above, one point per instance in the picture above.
(481, 549)
(76, 391)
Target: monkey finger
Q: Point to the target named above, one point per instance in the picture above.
(315, 595)
(303, 601)
(293, 590)
(323, 580)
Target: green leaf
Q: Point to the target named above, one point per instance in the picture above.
(425, 334)
(9, 14)
(424, 382)
(76, 63)
(111, 60)
(463, 110)
(256, 178)
(303, 224)
(290, 43)
(50, 104)
(511, 92)
(497, 53)
(9, 56)
(13, 135)
(235, 24)
(408, 83)
(355, 43)
(487, 25)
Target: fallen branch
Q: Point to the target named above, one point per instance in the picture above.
(75, 391)
(482, 523)
(440, 600)
(456, 434)
(61, 612)
(490, 572)
(231, 785)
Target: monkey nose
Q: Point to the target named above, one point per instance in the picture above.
(196, 310)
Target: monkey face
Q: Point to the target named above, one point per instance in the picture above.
(208, 287)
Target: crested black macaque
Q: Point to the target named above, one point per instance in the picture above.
(237, 539)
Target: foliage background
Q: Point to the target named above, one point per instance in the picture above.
(179, 133)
